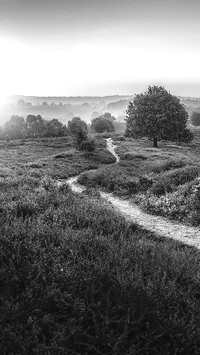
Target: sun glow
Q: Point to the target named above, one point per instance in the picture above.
(67, 68)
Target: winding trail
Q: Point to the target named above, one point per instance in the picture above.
(158, 225)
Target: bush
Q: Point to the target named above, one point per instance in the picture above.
(146, 181)
(103, 155)
(182, 204)
(108, 180)
(87, 146)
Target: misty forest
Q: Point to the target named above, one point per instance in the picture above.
(99, 177)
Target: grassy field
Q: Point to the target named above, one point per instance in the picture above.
(76, 277)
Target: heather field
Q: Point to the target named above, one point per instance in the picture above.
(78, 278)
(163, 181)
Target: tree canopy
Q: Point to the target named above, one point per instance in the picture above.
(157, 114)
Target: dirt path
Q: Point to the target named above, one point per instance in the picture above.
(158, 225)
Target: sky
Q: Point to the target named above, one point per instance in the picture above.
(98, 47)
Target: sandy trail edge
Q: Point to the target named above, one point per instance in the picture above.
(158, 225)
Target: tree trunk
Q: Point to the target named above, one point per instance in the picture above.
(155, 142)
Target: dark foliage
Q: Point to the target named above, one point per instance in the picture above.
(87, 146)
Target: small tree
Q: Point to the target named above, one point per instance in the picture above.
(87, 146)
(78, 129)
(156, 114)
(34, 126)
(103, 123)
(195, 118)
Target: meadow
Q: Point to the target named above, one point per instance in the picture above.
(75, 276)
(46, 157)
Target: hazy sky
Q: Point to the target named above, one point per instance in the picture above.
(98, 47)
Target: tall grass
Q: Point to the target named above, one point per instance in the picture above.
(76, 278)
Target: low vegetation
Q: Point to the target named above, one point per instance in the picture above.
(76, 278)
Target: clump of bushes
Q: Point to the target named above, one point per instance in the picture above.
(130, 156)
(103, 156)
(182, 204)
(108, 180)
(168, 165)
(87, 146)
(169, 180)
(146, 181)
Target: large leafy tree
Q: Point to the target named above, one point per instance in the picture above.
(156, 114)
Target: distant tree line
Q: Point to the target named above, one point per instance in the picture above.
(32, 127)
